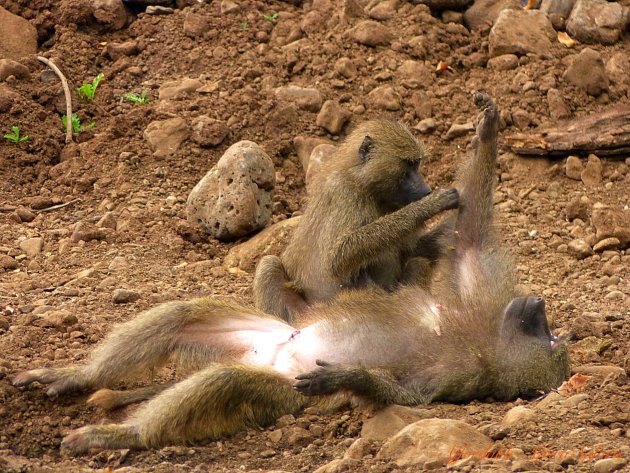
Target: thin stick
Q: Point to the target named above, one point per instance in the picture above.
(7, 209)
(66, 92)
(58, 206)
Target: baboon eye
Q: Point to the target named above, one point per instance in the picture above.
(364, 149)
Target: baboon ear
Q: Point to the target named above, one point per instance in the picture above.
(364, 149)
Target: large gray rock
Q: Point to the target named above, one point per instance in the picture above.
(483, 13)
(165, 136)
(587, 72)
(596, 21)
(521, 32)
(433, 440)
(19, 37)
(234, 197)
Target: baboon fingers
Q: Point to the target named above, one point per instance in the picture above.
(61, 380)
(100, 437)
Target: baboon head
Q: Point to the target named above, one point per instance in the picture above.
(384, 160)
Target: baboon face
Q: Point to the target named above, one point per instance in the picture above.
(392, 175)
(525, 316)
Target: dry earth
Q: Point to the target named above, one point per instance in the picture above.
(146, 246)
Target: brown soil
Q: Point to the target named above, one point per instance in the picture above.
(113, 169)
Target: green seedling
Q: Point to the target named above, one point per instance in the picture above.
(244, 25)
(272, 17)
(135, 98)
(88, 90)
(75, 122)
(15, 137)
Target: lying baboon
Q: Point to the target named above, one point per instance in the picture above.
(362, 226)
(472, 338)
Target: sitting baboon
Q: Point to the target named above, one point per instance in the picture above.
(363, 225)
(470, 339)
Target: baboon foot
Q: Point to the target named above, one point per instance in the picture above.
(100, 437)
(61, 380)
(327, 379)
(488, 127)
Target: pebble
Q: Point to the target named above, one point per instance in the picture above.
(587, 72)
(371, 33)
(518, 415)
(504, 62)
(304, 98)
(608, 465)
(124, 296)
(521, 32)
(611, 243)
(208, 132)
(32, 246)
(166, 136)
(580, 249)
(385, 98)
(573, 168)
(159, 10)
(332, 117)
(591, 175)
(459, 129)
(426, 126)
(7, 263)
(84, 231)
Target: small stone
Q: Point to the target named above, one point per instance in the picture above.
(228, 6)
(7, 263)
(339, 465)
(608, 465)
(482, 14)
(459, 129)
(587, 72)
(88, 232)
(612, 223)
(110, 13)
(521, 119)
(592, 173)
(32, 246)
(518, 415)
(25, 215)
(521, 32)
(117, 50)
(166, 136)
(606, 244)
(558, 108)
(504, 62)
(159, 10)
(371, 33)
(275, 435)
(195, 25)
(208, 132)
(389, 421)
(297, 436)
(428, 125)
(178, 89)
(124, 296)
(304, 146)
(57, 319)
(268, 453)
(602, 371)
(573, 168)
(383, 10)
(415, 74)
(305, 98)
(332, 117)
(385, 98)
(9, 67)
(346, 68)
(580, 249)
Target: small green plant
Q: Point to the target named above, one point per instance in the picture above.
(75, 122)
(244, 25)
(135, 98)
(88, 90)
(15, 137)
(270, 17)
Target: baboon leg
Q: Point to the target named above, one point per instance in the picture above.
(274, 293)
(374, 385)
(109, 399)
(217, 401)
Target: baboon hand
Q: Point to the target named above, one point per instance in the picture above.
(448, 198)
(488, 126)
(61, 380)
(327, 379)
(77, 441)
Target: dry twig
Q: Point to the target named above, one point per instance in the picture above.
(66, 92)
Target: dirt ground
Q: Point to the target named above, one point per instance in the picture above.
(154, 252)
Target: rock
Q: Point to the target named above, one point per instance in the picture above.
(165, 136)
(521, 32)
(580, 249)
(88, 232)
(611, 243)
(110, 13)
(346, 68)
(617, 68)
(32, 246)
(504, 62)
(359, 448)
(450, 16)
(177, 89)
(297, 436)
(228, 6)
(312, 22)
(117, 50)
(234, 197)
(612, 223)
(383, 10)
(321, 155)
(19, 36)
(305, 99)
(371, 33)
(558, 11)
(415, 74)
(195, 25)
(57, 319)
(25, 215)
(558, 109)
(428, 125)
(608, 465)
(159, 10)
(459, 129)
(578, 207)
(304, 146)
(207, 132)
(390, 420)
(573, 168)
(339, 465)
(592, 173)
(332, 117)
(9, 67)
(518, 415)
(521, 119)
(432, 440)
(271, 241)
(484, 13)
(385, 98)
(124, 296)
(587, 72)
(596, 21)
(601, 371)
(7, 263)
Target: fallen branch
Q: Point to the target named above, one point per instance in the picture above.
(66, 92)
(58, 206)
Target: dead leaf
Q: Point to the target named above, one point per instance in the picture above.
(565, 39)
(576, 384)
(442, 66)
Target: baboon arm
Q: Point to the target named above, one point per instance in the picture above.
(354, 249)
(377, 386)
